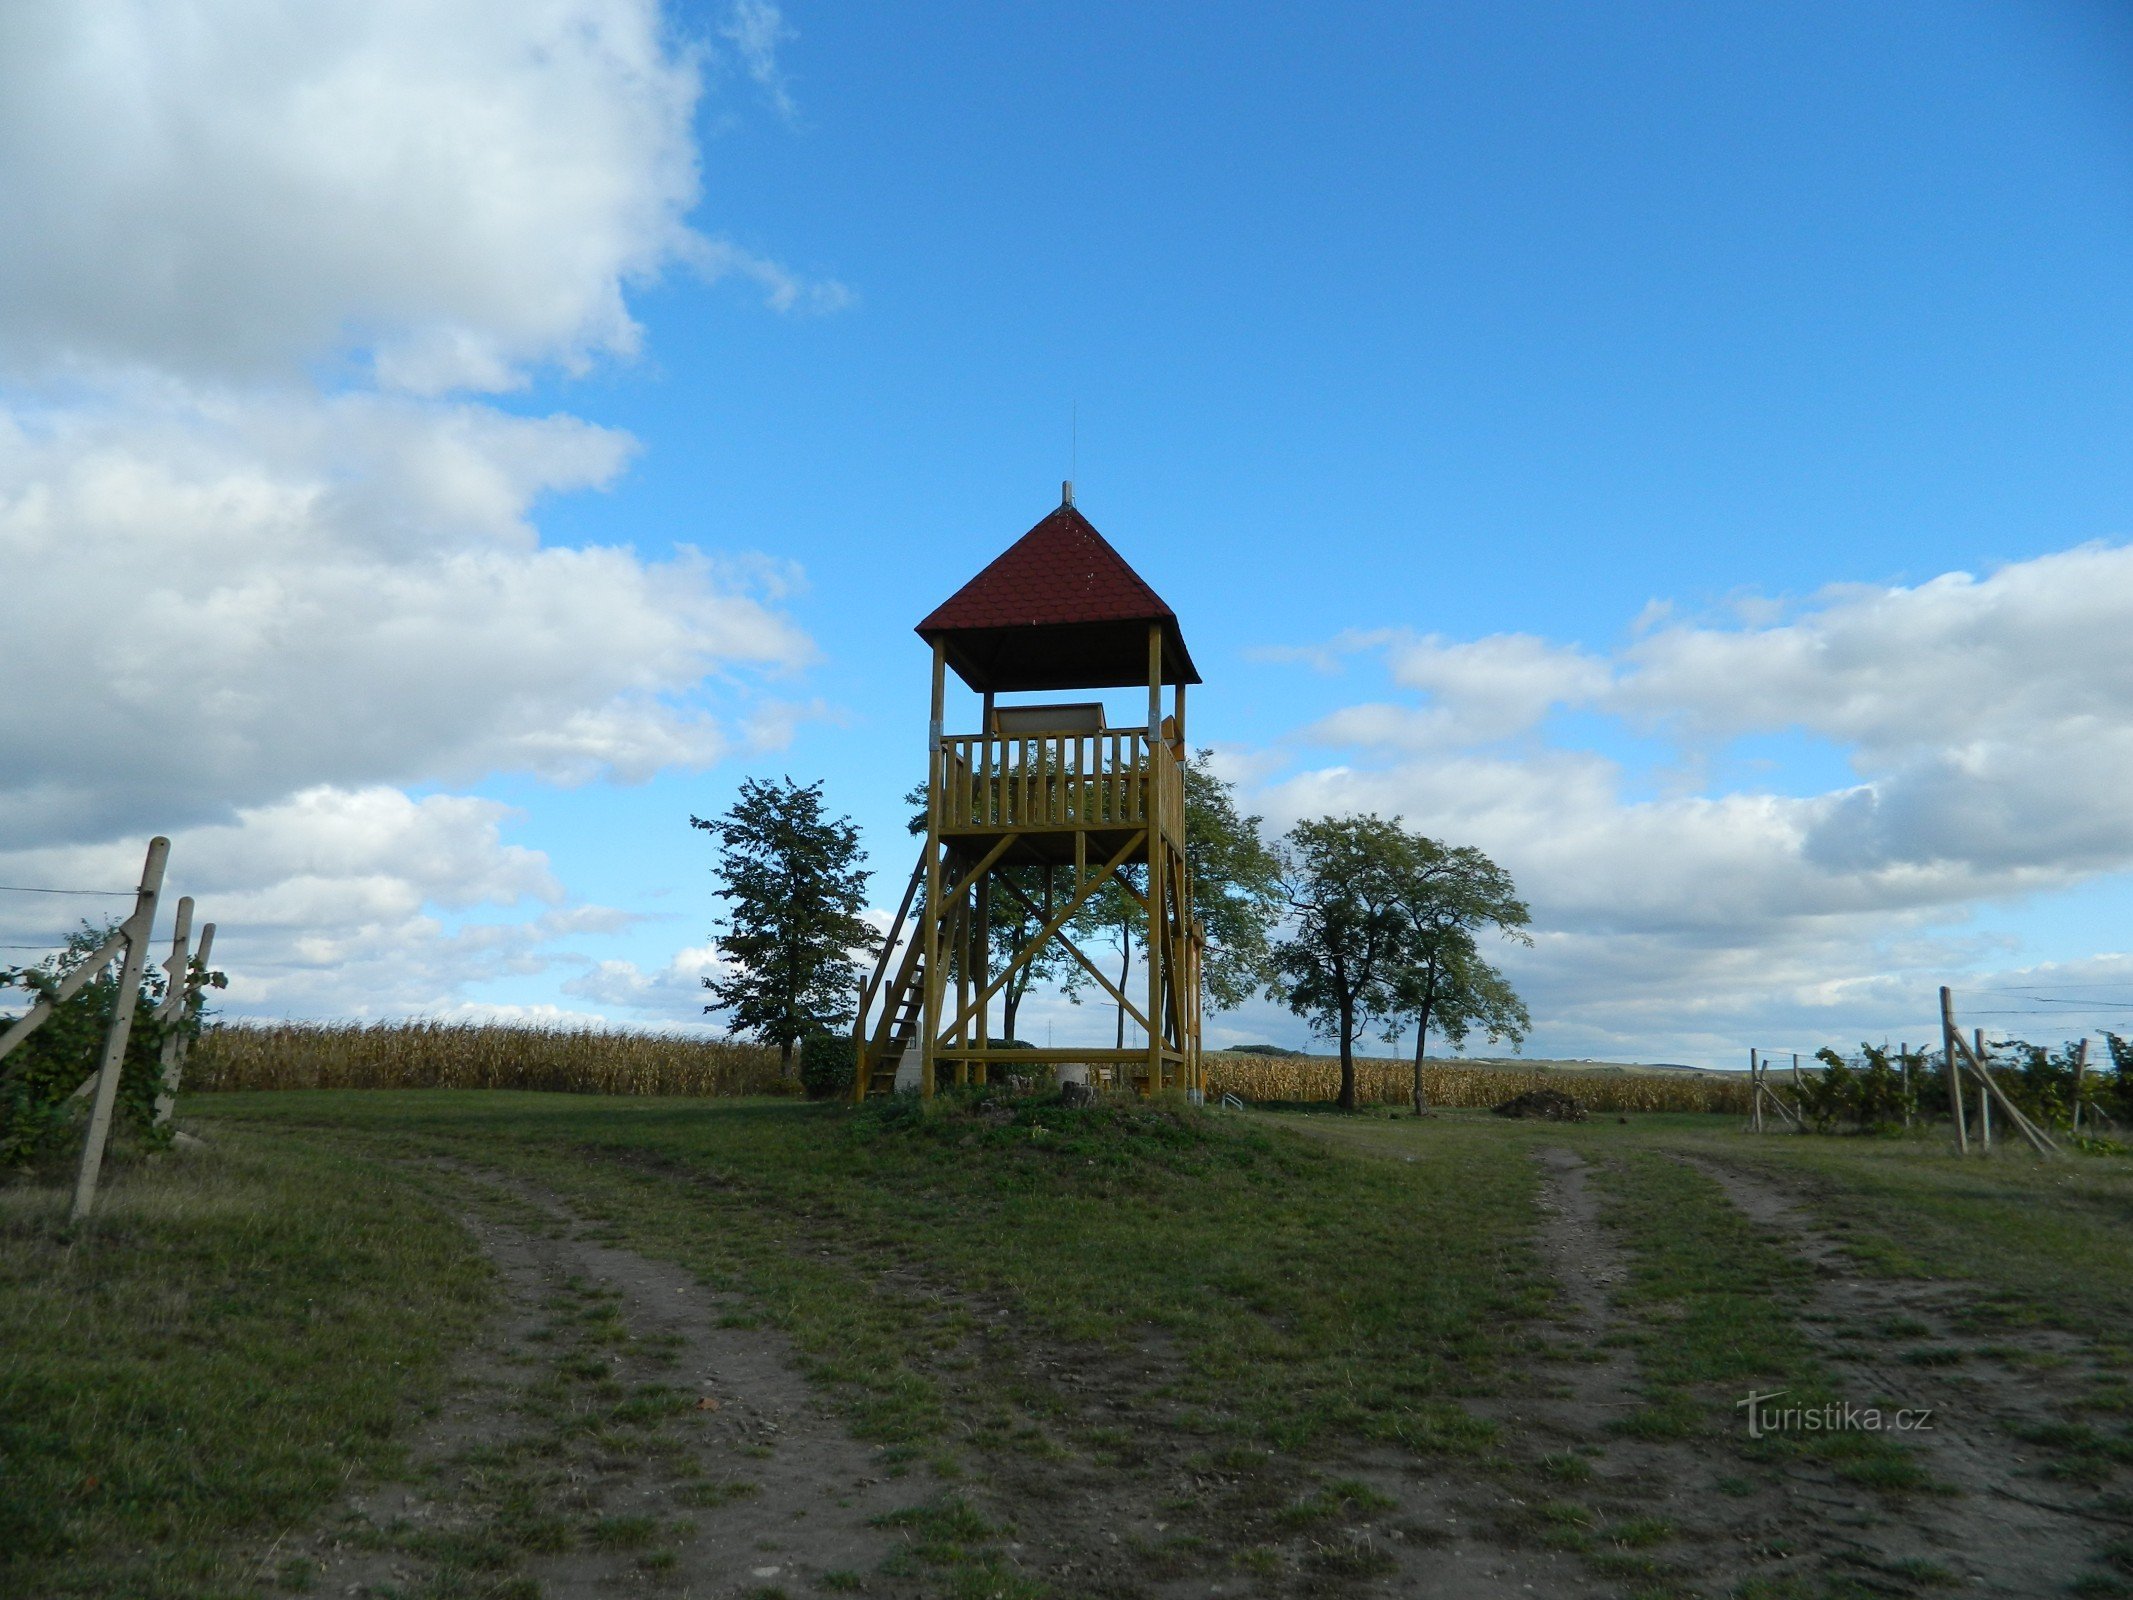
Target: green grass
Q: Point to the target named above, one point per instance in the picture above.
(1105, 1228)
(1271, 1293)
(211, 1357)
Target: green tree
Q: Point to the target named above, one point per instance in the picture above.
(1449, 894)
(1343, 881)
(794, 893)
(1236, 886)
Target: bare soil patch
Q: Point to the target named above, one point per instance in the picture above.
(621, 1430)
(2007, 1517)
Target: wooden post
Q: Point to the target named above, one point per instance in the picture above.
(2081, 1073)
(1903, 1060)
(177, 987)
(1755, 1086)
(1158, 862)
(1955, 1069)
(181, 1042)
(981, 960)
(930, 920)
(1984, 1095)
(138, 928)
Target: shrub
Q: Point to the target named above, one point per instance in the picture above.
(827, 1061)
(42, 1073)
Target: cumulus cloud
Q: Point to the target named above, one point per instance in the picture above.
(266, 567)
(1983, 720)
(339, 902)
(242, 599)
(446, 190)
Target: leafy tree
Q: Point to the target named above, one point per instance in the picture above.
(1344, 882)
(794, 893)
(1447, 895)
(1236, 886)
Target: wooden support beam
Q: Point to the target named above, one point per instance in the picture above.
(1064, 915)
(1102, 979)
(2014, 1113)
(113, 1064)
(180, 1042)
(930, 912)
(28, 1023)
(1948, 1039)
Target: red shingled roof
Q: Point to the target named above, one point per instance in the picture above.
(1063, 579)
(1061, 571)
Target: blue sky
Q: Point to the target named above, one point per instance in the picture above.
(1556, 424)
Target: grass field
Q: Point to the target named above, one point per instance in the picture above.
(428, 1342)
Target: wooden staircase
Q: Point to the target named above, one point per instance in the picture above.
(892, 1008)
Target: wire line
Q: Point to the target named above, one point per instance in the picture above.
(113, 894)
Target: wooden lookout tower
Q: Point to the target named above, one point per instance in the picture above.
(1049, 786)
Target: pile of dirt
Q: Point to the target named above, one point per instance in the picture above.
(1551, 1104)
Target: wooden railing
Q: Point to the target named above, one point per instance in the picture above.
(1059, 780)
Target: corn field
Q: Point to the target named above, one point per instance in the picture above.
(474, 1055)
(1383, 1082)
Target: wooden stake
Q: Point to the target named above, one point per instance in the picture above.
(177, 988)
(182, 1043)
(1984, 1098)
(1948, 1040)
(2081, 1072)
(1755, 1086)
(138, 928)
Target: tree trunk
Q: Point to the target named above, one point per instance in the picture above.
(1011, 1005)
(1125, 967)
(784, 1058)
(1421, 1044)
(1347, 1100)
(1429, 1004)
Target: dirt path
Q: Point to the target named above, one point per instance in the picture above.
(2001, 1523)
(620, 1430)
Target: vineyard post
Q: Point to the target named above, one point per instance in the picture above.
(2038, 1139)
(2081, 1073)
(1984, 1092)
(177, 1008)
(1755, 1087)
(177, 974)
(1903, 1059)
(113, 1064)
(1948, 1038)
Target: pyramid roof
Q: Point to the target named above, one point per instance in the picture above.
(1057, 609)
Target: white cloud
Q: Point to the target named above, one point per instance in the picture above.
(337, 902)
(755, 29)
(245, 598)
(1988, 721)
(262, 574)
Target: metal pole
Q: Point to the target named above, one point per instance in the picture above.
(113, 1065)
